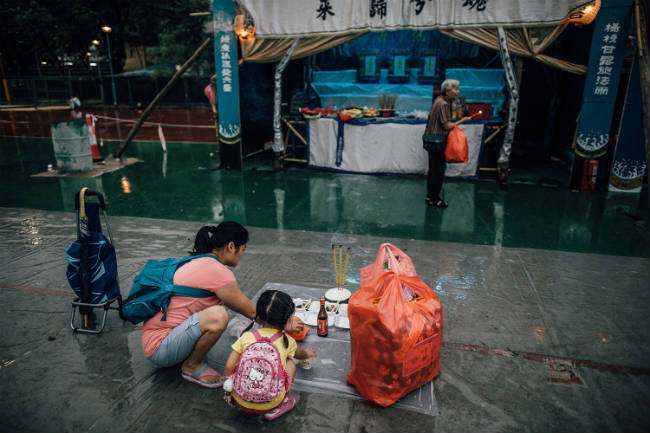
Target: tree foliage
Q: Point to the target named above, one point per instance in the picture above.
(35, 30)
(181, 34)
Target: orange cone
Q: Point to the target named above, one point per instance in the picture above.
(95, 151)
(90, 121)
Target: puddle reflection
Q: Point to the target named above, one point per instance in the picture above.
(185, 184)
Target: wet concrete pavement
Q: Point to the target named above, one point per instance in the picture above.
(514, 320)
(545, 291)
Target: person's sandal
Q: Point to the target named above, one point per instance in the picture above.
(204, 371)
(441, 204)
(287, 404)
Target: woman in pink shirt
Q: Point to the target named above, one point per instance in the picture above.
(194, 325)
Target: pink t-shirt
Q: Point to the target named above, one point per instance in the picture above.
(203, 273)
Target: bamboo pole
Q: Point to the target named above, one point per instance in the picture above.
(297, 134)
(644, 73)
(159, 96)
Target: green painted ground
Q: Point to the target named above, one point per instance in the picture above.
(187, 185)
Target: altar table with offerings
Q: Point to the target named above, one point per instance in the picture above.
(378, 145)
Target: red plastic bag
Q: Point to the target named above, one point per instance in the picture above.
(457, 149)
(395, 329)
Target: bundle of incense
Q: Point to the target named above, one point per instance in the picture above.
(339, 270)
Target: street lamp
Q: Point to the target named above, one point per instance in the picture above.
(107, 30)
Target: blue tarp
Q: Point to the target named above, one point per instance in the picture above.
(340, 88)
(415, 41)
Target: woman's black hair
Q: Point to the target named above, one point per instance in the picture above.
(210, 238)
(275, 308)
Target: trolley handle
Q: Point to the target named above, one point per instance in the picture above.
(89, 193)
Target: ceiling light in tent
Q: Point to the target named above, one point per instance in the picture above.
(585, 15)
(244, 27)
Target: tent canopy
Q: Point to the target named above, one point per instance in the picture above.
(531, 26)
(300, 18)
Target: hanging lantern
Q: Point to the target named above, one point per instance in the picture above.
(585, 15)
(244, 27)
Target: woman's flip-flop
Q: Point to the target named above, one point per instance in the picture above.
(204, 371)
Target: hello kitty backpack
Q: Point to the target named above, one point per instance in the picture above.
(260, 376)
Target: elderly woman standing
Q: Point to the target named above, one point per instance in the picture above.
(439, 123)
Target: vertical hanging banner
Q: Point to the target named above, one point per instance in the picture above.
(225, 54)
(601, 85)
(629, 164)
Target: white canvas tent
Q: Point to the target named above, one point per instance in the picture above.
(530, 26)
(291, 29)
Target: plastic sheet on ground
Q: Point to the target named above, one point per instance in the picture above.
(330, 368)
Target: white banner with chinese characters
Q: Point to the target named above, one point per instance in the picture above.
(282, 18)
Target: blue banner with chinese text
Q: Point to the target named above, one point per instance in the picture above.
(225, 54)
(629, 165)
(601, 86)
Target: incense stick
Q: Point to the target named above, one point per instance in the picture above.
(336, 268)
(345, 270)
(340, 267)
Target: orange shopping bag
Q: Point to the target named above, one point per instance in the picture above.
(457, 149)
(395, 329)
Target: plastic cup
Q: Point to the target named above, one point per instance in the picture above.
(306, 364)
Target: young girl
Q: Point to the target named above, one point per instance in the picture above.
(273, 310)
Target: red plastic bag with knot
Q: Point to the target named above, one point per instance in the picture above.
(457, 149)
(395, 329)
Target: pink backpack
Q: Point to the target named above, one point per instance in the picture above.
(260, 376)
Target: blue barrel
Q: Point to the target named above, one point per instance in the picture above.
(71, 146)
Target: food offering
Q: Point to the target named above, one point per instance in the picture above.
(337, 315)
(351, 112)
(315, 113)
(369, 112)
(309, 113)
(331, 307)
(301, 304)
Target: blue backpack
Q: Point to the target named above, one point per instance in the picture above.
(154, 286)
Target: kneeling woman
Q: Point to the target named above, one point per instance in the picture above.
(194, 325)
